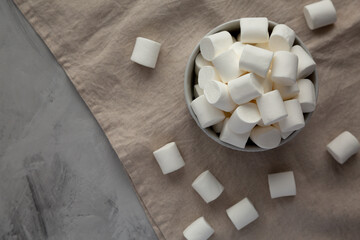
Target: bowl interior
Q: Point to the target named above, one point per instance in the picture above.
(234, 28)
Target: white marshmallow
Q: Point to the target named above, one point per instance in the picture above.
(282, 38)
(213, 45)
(200, 62)
(320, 14)
(343, 147)
(284, 68)
(207, 186)
(282, 184)
(254, 30)
(287, 92)
(284, 135)
(200, 229)
(264, 45)
(295, 119)
(306, 95)
(306, 65)
(266, 137)
(238, 47)
(228, 136)
(169, 158)
(206, 74)
(145, 52)
(198, 91)
(227, 65)
(245, 88)
(242, 213)
(266, 82)
(218, 127)
(217, 94)
(244, 118)
(271, 107)
(256, 60)
(261, 123)
(207, 114)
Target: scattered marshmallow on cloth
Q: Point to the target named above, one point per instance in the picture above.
(282, 184)
(169, 158)
(200, 229)
(145, 52)
(343, 147)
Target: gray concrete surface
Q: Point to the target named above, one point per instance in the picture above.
(59, 177)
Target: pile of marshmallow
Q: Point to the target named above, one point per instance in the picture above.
(255, 87)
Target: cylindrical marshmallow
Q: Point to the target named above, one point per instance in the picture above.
(198, 91)
(282, 184)
(227, 65)
(245, 88)
(320, 14)
(206, 74)
(254, 30)
(207, 186)
(282, 38)
(284, 135)
(284, 68)
(211, 46)
(306, 96)
(295, 119)
(266, 137)
(238, 47)
(287, 92)
(217, 94)
(267, 83)
(169, 158)
(343, 147)
(242, 213)
(264, 45)
(200, 62)
(306, 64)
(218, 127)
(200, 229)
(206, 113)
(145, 52)
(228, 136)
(244, 118)
(271, 107)
(256, 60)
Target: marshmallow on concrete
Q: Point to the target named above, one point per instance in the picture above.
(213, 45)
(306, 95)
(282, 184)
(200, 229)
(295, 119)
(228, 136)
(238, 47)
(217, 94)
(284, 68)
(266, 137)
(320, 14)
(200, 62)
(227, 65)
(169, 158)
(207, 186)
(271, 107)
(306, 65)
(245, 88)
(242, 213)
(207, 114)
(206, 74)
(198, 91)
(145, 52)
(282, 38)
(256, 60)
(287, 92)
(343, 147)
(284, 135)
(254, 30)
(218, 127)
(244, 118)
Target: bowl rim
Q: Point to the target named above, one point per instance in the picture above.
(189, 92)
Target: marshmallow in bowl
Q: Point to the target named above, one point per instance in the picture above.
(266, 137)
(306, 64)
(206, 74)
(284, 68)
(255, 60)
(267, 83)
(254, 30)
(228, 136)
(145, 52)
(200, 62)
(218, 127)
(238, 47)
(207, 114)
(244, 118)
(287, 92)
(245, 88)
(295, 119)
(306, 96)
(200, 229)
(282, 38)
(320, 14)
(282, 184)
(271, 107)
(169, 158)
(198, 91)
(242, 213)
(227, 65)
(343, 147)
(207, 186)
(213, 45)
(284, 135)
(217, 94)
